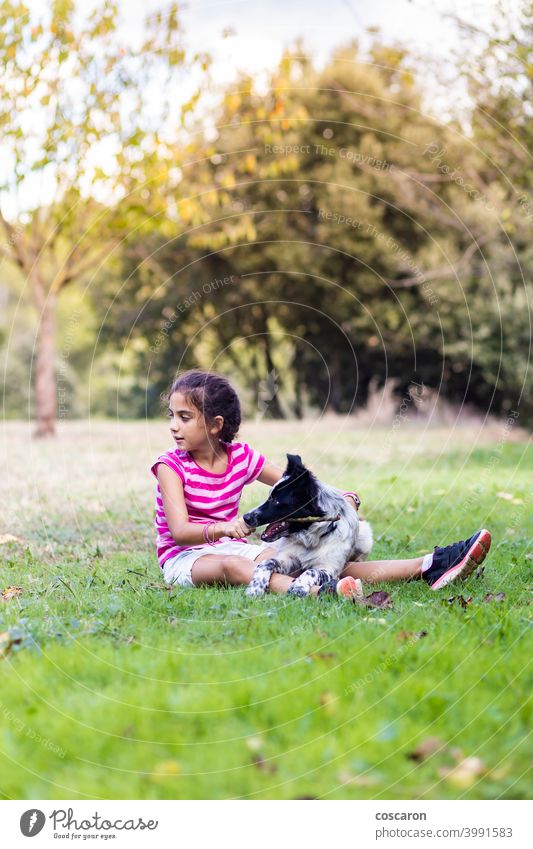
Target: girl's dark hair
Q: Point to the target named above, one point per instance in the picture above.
(212, 395)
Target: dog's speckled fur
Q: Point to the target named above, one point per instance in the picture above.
(320, 549)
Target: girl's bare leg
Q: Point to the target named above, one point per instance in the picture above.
(384, 570)
(231, 569)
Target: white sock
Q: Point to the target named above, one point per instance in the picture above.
(426, 562)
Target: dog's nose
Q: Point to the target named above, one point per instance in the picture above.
(247, 517)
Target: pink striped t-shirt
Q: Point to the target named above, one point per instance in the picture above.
(207, 495)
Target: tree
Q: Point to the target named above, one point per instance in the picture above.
(498, 70)
(357, 229)
(95, 121)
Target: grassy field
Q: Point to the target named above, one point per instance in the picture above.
(115, 687)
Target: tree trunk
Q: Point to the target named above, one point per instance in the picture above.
(271, 405)
(271, 384)
(298, 405)
(334, 400)
(45, 379)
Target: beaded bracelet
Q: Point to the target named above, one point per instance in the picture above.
(207, 525)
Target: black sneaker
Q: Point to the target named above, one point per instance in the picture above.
(457, 560)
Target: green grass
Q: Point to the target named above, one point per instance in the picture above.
(118, 688)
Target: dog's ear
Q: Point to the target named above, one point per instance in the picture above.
(294, 464)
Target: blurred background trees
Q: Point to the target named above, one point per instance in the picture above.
(313, 238)
(86, 151)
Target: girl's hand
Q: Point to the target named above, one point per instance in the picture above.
(236, 529)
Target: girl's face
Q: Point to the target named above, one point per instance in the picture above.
(188, 426)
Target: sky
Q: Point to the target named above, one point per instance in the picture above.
(258, 32)
(263, 29)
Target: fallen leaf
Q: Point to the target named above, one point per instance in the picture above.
(494, 597)
(425, 749)
(464, 774)
(346, 777)
(259, 761)
(254, 743)
(7, 641)
(411, 635)
(328, 702)
(11, 592)
(129, 731)
(464, 602)
(380, 598)
(5, 538)
(169, 767)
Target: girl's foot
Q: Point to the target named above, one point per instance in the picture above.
(457, 560)
(348, 587)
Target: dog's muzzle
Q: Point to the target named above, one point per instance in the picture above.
(274, 531)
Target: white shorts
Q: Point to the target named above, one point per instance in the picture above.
(178, 569)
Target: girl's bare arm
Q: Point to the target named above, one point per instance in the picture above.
(177, 516)
(270, 474)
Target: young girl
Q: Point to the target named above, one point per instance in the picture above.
(201, 539)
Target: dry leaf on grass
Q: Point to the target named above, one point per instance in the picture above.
(494, 597)
(411, 635)
(7, 641)
(259, 761)
(464, 602)
(464, 773)
(328, 702)
(380, 598)
(347, 777)
(426, 748)
(5, 538)
(169, 768)
(254, 743)
(11, 592)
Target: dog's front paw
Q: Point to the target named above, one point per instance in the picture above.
(297, 591)
(254, 590)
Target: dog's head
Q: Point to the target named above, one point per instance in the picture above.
(293, 496)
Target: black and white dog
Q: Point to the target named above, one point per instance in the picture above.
(321, 548)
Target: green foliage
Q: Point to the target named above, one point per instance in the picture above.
(370, 237)
(363, 237)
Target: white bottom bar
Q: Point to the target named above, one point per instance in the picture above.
(306, 824)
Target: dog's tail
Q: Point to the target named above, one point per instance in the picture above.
(365, 539)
